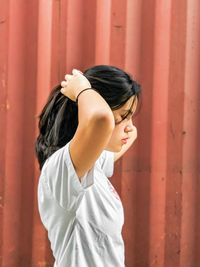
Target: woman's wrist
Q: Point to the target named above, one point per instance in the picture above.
(81, 87)
(84, 91)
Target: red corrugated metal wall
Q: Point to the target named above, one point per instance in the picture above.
(158, 179)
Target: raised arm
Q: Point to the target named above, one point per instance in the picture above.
(96, 123)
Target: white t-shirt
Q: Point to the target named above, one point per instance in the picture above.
(84, 219)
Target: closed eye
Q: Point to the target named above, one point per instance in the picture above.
(127, 116)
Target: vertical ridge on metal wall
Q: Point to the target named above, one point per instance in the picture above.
(19, 81)
(174, 207)
(4, 106)
(41, 255)
(190, 233)
(159, 124)
(158, 179)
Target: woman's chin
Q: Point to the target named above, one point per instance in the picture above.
(119, 149)
(116, 148)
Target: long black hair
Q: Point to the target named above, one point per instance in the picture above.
(58, 120)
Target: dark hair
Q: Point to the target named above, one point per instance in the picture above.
(58, 120)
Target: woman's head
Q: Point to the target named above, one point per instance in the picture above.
(114, 85)
(124, 128)
(58, 120)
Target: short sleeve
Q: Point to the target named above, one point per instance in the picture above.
(107, 163)
(62, 180)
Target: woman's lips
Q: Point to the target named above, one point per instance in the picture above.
(125, 140)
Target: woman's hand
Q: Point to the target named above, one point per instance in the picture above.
(74, 84)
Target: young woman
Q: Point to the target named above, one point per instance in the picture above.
(85, 126)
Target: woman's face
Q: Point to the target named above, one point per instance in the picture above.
(123, 128)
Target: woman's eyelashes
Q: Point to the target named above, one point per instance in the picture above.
(117, 122)
(118, 119)
(123, 117)
(127, 116)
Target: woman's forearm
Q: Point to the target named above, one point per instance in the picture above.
(92, 107)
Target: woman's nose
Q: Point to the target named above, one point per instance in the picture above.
(129, 127)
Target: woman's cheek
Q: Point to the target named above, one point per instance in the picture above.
(118, 132)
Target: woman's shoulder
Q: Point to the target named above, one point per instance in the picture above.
(56, 157)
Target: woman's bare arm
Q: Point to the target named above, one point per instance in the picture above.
(96, 123)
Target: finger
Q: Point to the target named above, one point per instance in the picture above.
(75, 71)
(68, 77)
(63, 84)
